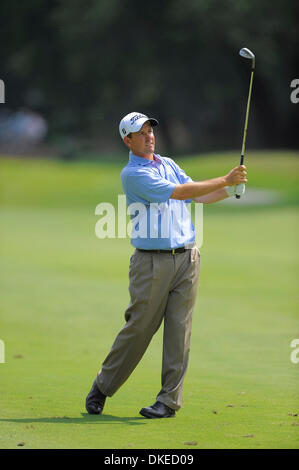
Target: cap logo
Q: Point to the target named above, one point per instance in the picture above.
(134, 118)
(123, 130)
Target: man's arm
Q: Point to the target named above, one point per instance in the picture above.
(203, 188)
(215, 196)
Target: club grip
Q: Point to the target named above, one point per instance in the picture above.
(241, 163)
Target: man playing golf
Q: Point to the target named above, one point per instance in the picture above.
(164, 268)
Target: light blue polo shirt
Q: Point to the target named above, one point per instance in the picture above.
(158, 223)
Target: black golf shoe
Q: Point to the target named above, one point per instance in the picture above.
(95, 400)
(158, 410)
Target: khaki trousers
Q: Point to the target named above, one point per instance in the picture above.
(162, 287)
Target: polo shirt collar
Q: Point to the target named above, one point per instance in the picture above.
(142, 161)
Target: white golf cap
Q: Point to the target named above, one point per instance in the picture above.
(133, 122)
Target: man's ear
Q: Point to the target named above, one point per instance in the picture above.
(127, 141)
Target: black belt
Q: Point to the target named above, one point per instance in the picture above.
(176, 250)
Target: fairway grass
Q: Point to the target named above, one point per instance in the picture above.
(63, 297)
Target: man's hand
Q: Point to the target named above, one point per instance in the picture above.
(236, 176)
(235, 190)
(200, 189)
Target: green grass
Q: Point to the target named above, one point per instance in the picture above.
(64, 292)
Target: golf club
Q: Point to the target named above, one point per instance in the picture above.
(248, 55)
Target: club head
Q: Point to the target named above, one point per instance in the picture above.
(247, 53)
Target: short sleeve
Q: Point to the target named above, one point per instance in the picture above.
(181, 174)
(149, 186)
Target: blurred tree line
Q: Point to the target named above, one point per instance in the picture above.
(85, 64)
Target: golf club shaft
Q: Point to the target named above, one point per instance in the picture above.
(246, 120)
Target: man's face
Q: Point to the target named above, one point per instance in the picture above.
(142, 143)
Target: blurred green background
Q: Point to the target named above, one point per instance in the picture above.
(71, 71)
(83, 65)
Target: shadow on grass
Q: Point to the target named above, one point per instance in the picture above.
(85, 419)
